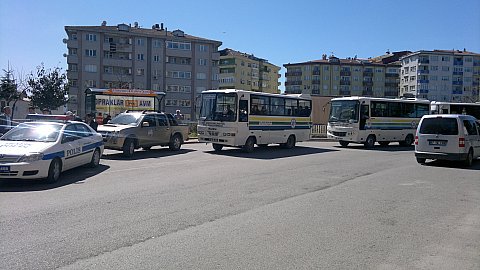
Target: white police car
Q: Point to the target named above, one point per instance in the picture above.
(44, 149)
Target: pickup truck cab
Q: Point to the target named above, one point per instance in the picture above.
(142, 129)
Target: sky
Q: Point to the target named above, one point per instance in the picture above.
(31, 31)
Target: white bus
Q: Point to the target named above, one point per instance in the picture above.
(241, 118)
(368, 120)
(473, 109)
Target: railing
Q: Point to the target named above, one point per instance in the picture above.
(318, 131)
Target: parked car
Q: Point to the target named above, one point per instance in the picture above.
(132, 130)
(45, 149)
(448, 137)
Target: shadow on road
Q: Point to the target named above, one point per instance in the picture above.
(453, 164)
(271, 152)
(144, 154)
(73, 176)
(388, 148)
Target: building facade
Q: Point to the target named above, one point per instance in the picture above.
(343, 77)
(246, 72)
(131, 57)
(441, 75)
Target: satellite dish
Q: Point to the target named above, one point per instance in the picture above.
(65, 55)
(65, 40)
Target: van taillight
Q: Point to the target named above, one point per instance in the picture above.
(461, 142)
(416, 140)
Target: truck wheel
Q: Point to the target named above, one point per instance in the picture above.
(128, 147)
(217, 147)
(175, 143)
(54, 171)
(249, 145)
(343, 143)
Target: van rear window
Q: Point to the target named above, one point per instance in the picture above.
(441, 126)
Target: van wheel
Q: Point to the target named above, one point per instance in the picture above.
(408, 141)
(217, 147)
(175, 143)
(249, 145)
(469, 160)
(384, 143)
(128, 147)
(54, 171)
(343, 143)
(370, 142)
(421, 160)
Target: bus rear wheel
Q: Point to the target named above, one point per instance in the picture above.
(408, 140)
(217, 147)
(290, 142)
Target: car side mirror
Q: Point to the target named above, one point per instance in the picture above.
(145, 124)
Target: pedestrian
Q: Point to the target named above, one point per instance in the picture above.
(73, 116)
(178, 116)
(31, 110)
(90, 120)
(46, 111)
(5, 120)
(106, 119)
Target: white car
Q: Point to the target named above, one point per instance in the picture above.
(34, 150)
(448, 137)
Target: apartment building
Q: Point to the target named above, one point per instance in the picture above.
(132, 57)
(245, 71)
(343, 77)
(441, 75)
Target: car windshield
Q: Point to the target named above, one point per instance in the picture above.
(37, 132)
(126, 119)
(344, 111)
(440, 126)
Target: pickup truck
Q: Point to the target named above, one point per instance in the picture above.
(133, 130)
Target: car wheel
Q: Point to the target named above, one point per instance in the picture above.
(469, 160)
(343, 143)
(54, 171)
(249, 145)
(290, 142)
(408, 141)
(128, 147)
(217, 147)
(421, 160)
(175, 143)
(370, 142)
(95, 158)
(384, 143)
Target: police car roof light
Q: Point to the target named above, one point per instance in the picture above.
(48, 117)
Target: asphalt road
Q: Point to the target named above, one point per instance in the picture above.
(318, 206)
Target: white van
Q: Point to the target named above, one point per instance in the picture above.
(448, 137)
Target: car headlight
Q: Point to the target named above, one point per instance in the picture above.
(31, 157)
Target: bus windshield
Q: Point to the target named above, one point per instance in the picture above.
(219, 107)
(344, 111)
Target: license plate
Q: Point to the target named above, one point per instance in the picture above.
(4, 168)
(440, 143)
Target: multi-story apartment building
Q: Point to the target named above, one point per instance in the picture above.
(441, 75)
(131, 57)
(245, 71)
(343, 77)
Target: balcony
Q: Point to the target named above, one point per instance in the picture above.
(392, 75)
(457, 82)
(391, 94)
(424, 61)
(367, 83)
(316, 72)
(117, 62)
(423, 71)
(315, 81)
(458, 62)
(72, 59)
(391, 84)
(458, 73)
(294, 73)
(457, 92)
(115, 47)
(72, 75)
(116, 77)
(345, 73)
(422, 81)
(293, 83)
(72, 43)
(345, 82)
(476, 83)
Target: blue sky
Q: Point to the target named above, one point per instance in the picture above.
(279, 31)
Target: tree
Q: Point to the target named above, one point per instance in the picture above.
(49, 88)
(8, 87)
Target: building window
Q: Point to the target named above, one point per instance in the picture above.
(155, 87)
(156, 58)
(140, 71)
(433, 68)
(468, 59)
(325, 68)
(445, 78)
(73, 83)
(91, 53)
(91, 37)
(140, 42)
(72, 51)
(179, 45)
(73, 36)
(202, 62)
(179, 74)
(90, 83)
(157, 43)
(108, 70)
(140, 56)
(445, 58)
(72, 67)
(201, 76)
(434, 57)
(445, 68)
(202, 48)
(90, 68)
